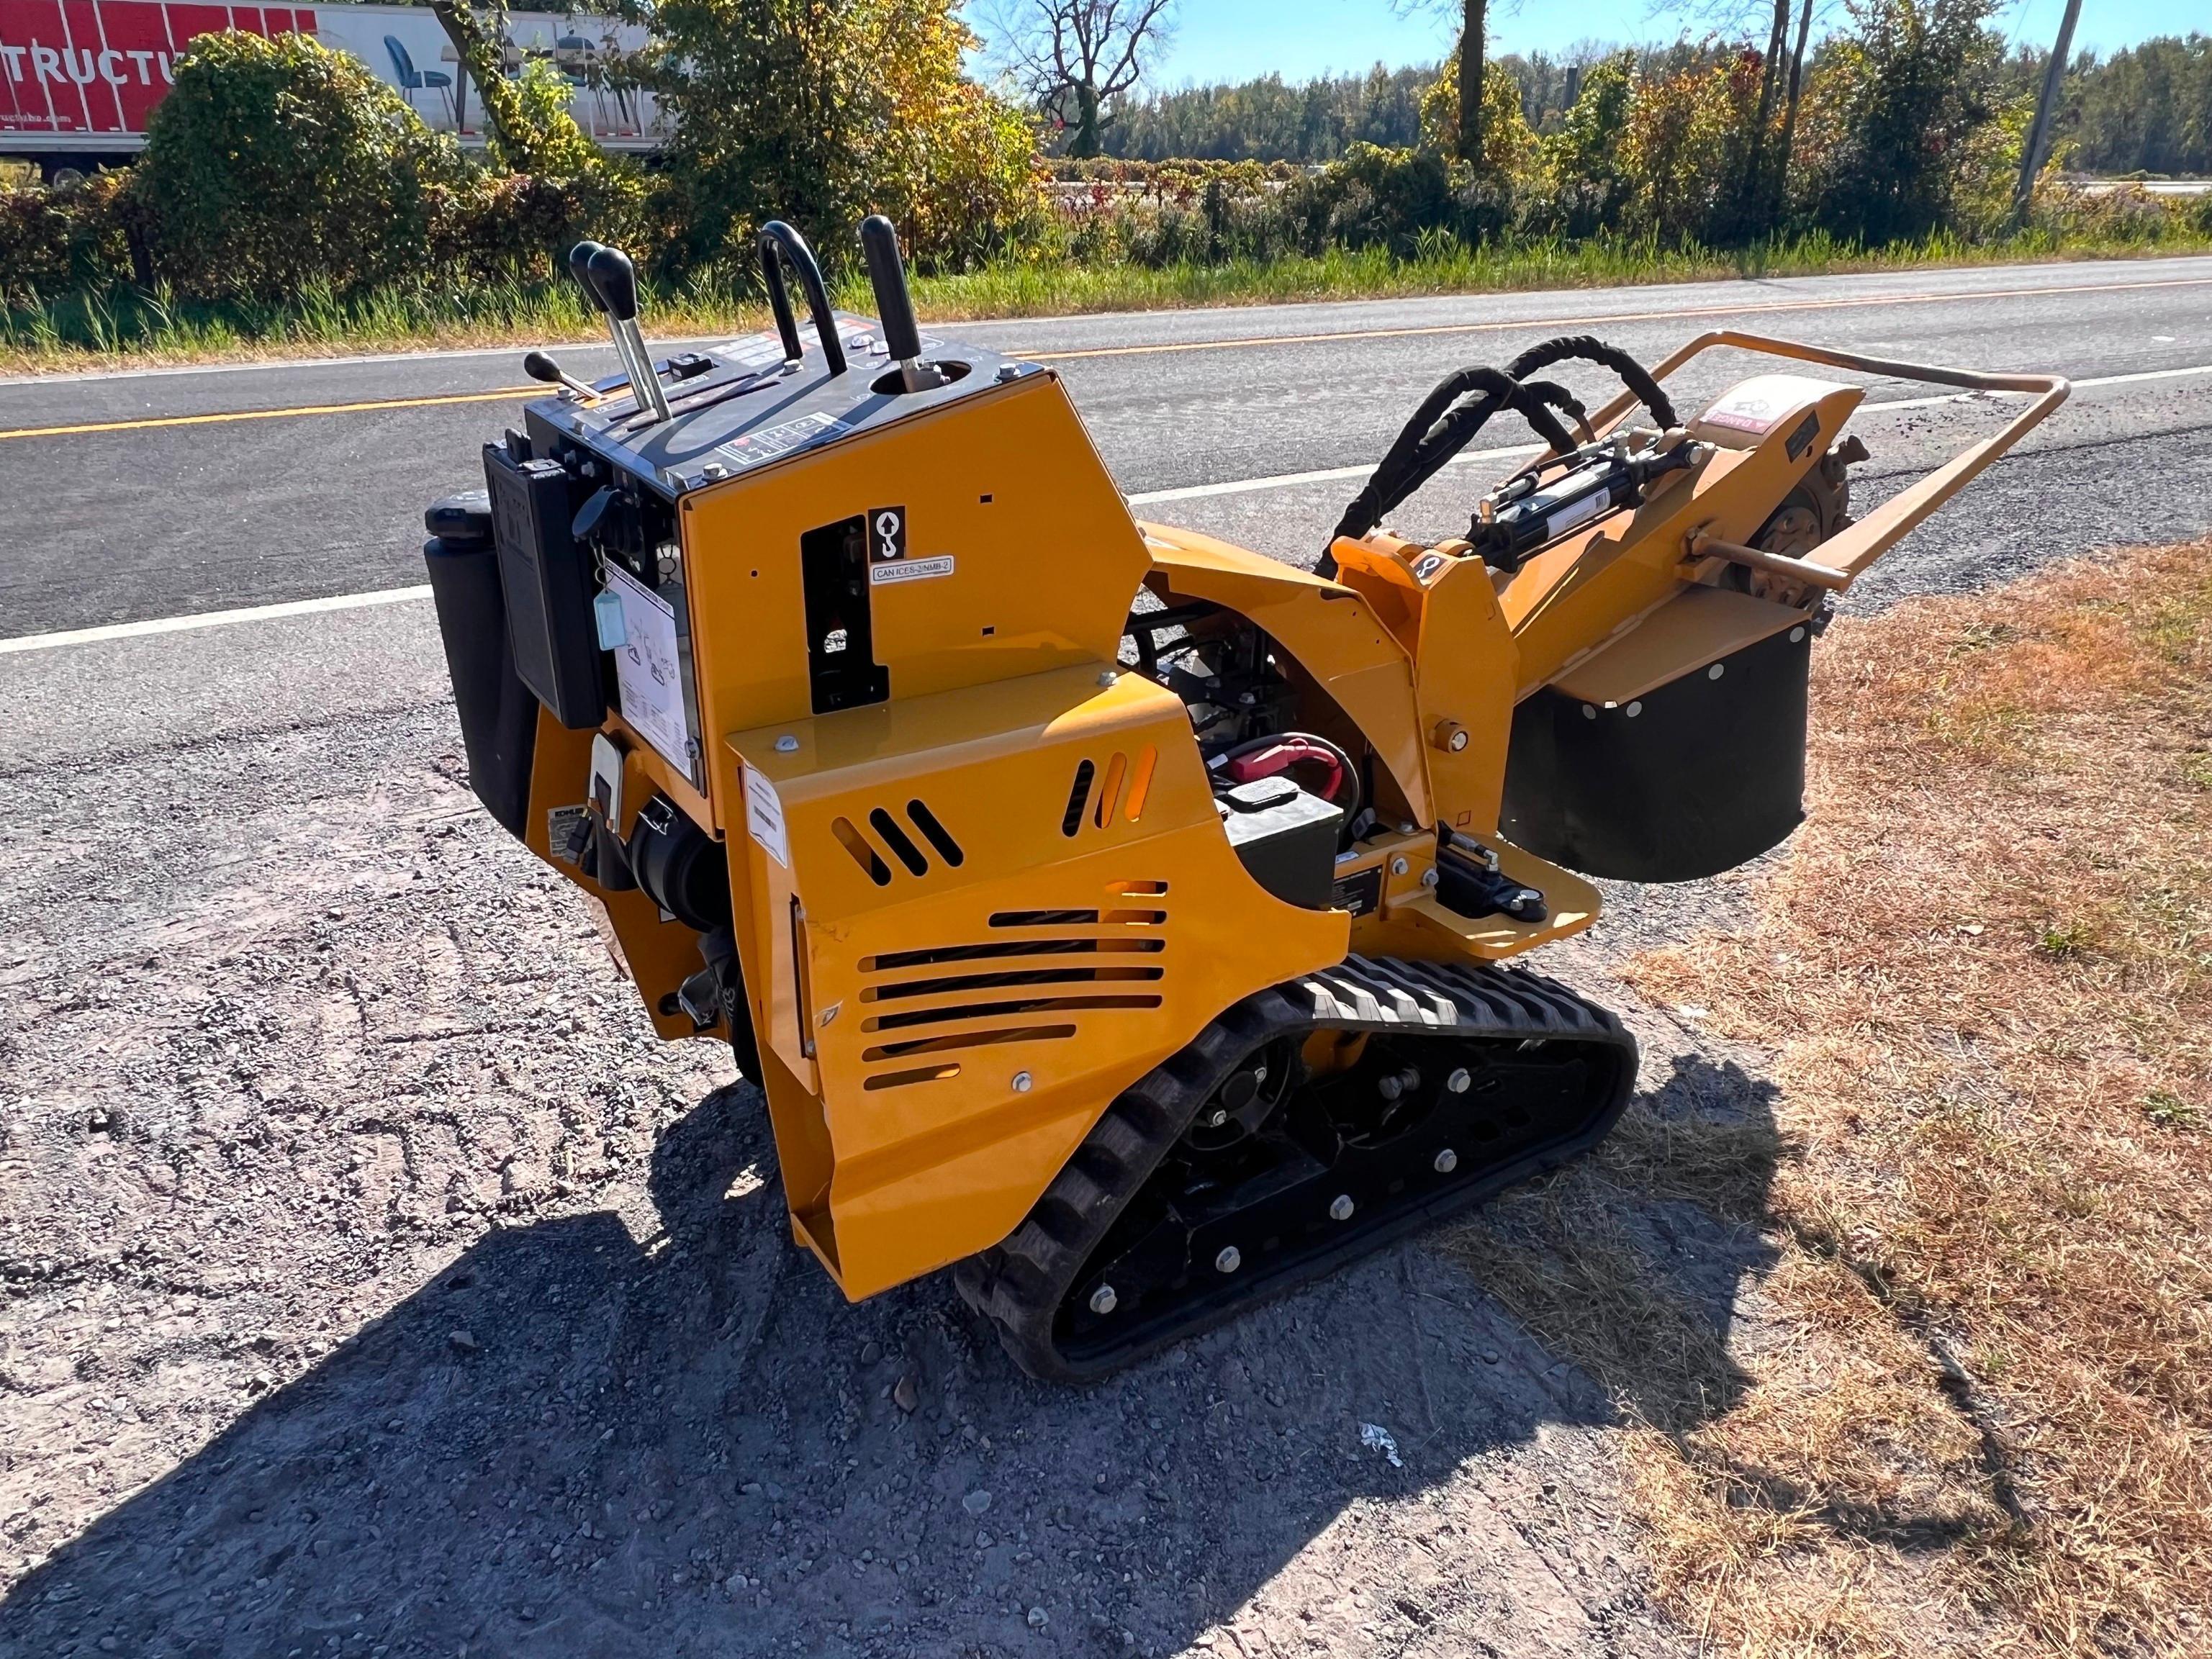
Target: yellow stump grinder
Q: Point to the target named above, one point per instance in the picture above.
(1112, 915)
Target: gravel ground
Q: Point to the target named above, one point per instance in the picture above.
(372, 1283)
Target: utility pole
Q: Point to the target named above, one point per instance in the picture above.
(2046, 105)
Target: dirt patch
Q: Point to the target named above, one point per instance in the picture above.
(371, 1282)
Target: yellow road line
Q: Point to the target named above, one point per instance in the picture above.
(1589, 322)
(505, 394)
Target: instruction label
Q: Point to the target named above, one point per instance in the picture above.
(911, 570)
(764, 817)
(648, 670)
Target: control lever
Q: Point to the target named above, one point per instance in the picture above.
(540, 367)
(611, 280)
(894, 304)
(579, 267)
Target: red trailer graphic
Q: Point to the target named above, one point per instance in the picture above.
(79, 77)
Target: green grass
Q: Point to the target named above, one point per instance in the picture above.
(130, 326)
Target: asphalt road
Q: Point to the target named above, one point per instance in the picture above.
(372, 1283)
(117, 521)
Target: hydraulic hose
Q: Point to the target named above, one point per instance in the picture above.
(1436, 432)
(1443, 425)
(1590, 348)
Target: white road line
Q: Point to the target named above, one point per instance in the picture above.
(131, 630)
(1145, 498)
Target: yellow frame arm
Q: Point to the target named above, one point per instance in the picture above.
(1851, 550)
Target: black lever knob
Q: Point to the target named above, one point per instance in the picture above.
(539, 366)
(887, 276)
(615, 279)
(579, 267)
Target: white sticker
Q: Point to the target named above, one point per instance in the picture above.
(912, 570)
(648, 669)
(764, 817)
(1579, 512)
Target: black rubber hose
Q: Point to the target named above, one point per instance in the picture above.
(1590, 348)
(1436, 432)
(1457, 429)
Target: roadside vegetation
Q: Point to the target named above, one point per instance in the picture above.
(287, 201)
(1965, 1404)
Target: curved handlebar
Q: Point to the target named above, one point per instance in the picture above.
(779, 239)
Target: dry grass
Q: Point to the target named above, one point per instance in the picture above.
(1964, 1403)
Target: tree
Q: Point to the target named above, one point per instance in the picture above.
(1472, 79)
(1075, 55)
(1905, 101)
(822, 111)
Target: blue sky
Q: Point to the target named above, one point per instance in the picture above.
(1237, 40)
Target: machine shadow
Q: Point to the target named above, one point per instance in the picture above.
(581, 1440)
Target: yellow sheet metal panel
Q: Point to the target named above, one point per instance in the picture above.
(1444, 608)
(1019, 556)
(1700, 625)
(1000, 905)
(1336, 637)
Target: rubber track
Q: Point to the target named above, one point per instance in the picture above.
(1018, 1283)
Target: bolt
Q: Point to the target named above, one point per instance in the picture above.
(1447, 1161)
(1429, 877)
(1339, 1207)
(1389, 1087)
(1021, 1083)
(1590, 711)
(1796, 637)
(1459, 1080)
(1216, 1118)
(1108, 677)
(1229, 1260)
(1007, 372)
(1102, 1299)
(1634, 709)
(1398, 867)
(787, 744)
(1410, 1078)
(1716, 670)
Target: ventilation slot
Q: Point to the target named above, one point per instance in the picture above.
(899, 841)
(999, 949)
(1110, 794)
(863, 855)
(938, 1045)
(892, 834)
(919, 1074)
(1140, 784)
(1078, 792)
(935, 834)
(906, 1017)
(956, 984)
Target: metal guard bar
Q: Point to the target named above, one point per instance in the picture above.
(1850, 550)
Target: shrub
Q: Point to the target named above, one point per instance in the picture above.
(822, 111)
(1893, 113)
(52, 241)
(1683, 154)
(1585, 181)
(274, 162)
